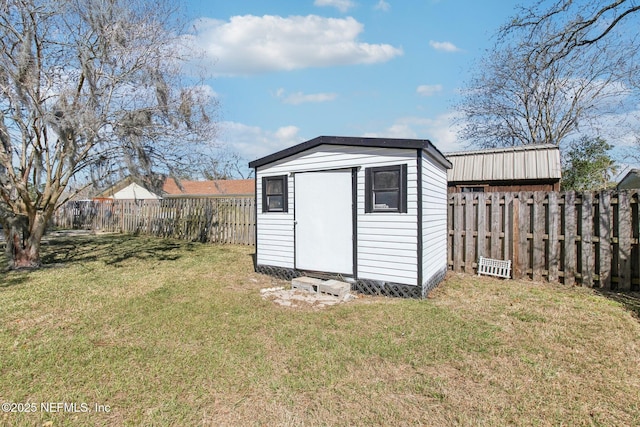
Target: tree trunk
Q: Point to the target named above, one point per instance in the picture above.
(23, 237)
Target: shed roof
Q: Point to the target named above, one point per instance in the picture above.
(218, 187)
(423, 144)
(527, 162)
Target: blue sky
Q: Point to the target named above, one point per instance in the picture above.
(286, 71)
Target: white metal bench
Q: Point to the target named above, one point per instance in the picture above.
(494, 267)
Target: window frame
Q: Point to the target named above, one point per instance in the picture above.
(285, 194)
(370, 191)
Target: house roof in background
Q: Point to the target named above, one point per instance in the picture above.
(109, 192)
(227, 187)
(528, 162)
(630, 181)
(127, 189)
(135, 191)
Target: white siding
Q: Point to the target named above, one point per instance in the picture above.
(387, 242)
(275, 230)
(434, 218)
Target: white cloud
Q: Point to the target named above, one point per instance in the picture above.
(253, 142)
(341, 5)
(444, 46)
(382, 5)
(287, 134)
(440, 131)
(249, 44)
(302, 98)
(428, 90)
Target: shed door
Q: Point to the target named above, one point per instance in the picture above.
(324, 227)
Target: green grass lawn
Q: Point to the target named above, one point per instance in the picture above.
(173, 333)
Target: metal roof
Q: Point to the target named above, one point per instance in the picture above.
(423, 144)
(527, 162)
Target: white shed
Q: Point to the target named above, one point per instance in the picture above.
(372, 211)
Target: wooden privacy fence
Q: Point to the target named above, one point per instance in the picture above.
(217, 220)
(587, 238)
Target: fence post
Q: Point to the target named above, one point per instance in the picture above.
(514, 219)
(525, 221)
(552, 237)
(496, 228)
(604, 236)
(569, 238)
(506, 251)
(635, 239)
(586, 236)
(482, 227)
(469, 220)
(624, 241)
(538, 248)
(458, 220)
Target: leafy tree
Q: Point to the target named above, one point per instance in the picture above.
(587, 165)
(89, 89)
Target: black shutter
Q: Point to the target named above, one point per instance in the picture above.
(264, 195)
(403, 189)
(368, 190)
(285, 195)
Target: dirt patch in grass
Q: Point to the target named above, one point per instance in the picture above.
(175, 333)
(630, 300)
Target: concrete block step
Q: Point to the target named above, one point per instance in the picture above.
(332, 287)
(308, 284)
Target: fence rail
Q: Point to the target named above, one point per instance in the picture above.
(217, 220)
(587, 238)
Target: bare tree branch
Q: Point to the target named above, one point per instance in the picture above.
(90, 89)
(556, 67)
(569, 25)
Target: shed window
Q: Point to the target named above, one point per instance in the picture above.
(386, 189)
(274, 194)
